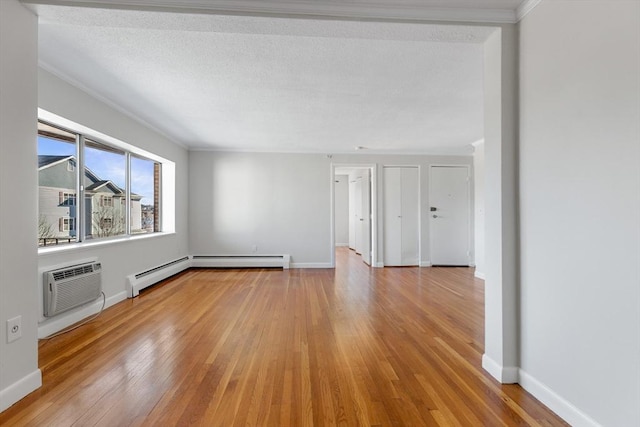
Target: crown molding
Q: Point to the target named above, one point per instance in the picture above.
(99, 97)
(379, 10)
(526, 7)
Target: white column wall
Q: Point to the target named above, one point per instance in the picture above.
(580, 209)
(19, 373)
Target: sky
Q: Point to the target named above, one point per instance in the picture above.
(107, 166)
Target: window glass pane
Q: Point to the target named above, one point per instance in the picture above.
(57, 184)
(105, 194)
(145, 189)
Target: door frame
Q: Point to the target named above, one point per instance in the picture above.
(374, 209)
(470, 222)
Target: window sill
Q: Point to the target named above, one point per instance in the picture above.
(71, 247)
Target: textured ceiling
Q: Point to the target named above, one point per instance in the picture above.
(274, 84)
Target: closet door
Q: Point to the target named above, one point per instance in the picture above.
(410, 216)
(392, 216)
(401, 216)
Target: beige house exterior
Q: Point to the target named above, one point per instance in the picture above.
(105, 207)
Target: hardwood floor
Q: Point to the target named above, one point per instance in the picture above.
(352, 346)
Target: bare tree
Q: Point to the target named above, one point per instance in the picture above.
(45, 228)
(107, 221)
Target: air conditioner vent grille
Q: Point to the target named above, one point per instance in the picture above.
(75, 271)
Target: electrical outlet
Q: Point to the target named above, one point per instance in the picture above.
(14, 328)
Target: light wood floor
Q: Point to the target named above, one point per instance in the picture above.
(351, 346)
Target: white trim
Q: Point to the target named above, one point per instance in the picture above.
(425, 263)
(340, 245)
(19, 389)
(463, 151)
(555, 402)
(386, 10)
(58, 323)
(525, 7)
(479, 275)
(505, 375)
(379, 265)
(240, 261)
(311, 265)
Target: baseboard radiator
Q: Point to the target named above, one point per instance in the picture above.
(139, 281)
(240, 261)
(70, 287)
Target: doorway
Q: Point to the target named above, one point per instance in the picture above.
(353, 210)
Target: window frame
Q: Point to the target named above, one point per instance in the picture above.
(79, 222)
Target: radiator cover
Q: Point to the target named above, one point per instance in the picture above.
(70, 287)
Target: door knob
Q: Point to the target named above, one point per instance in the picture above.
(435, 216)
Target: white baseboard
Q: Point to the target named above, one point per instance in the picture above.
(241, 261)
(311, 265)
(58, 323)
(425, 263)
(342, 245)
(19, 389)
(479, 274)
(506, 375)
(555, 402)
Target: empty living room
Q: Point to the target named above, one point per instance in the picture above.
(288, 213)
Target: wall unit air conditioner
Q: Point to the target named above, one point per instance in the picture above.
(69, 287)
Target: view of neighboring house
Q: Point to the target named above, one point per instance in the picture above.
(104, 203)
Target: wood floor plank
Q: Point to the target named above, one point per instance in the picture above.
(353, 346)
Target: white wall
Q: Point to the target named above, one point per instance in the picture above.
(478, 203)
(122, 258)
(277, 203)
(580, 204)
(341, 209)
(281, 202)
(500, 357)
(19, 373)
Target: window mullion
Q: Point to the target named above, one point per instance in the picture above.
(81, 207)
(128, 192)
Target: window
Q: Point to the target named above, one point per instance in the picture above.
(119, 190)
(67, 199)
(67, 224)
(58, 184)
(145, 193)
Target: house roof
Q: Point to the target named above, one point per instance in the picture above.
(45, 161)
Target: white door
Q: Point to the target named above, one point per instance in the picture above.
(358, 214)
(449, 216)
(410, 216)
(401, 216)
(365, 219)
(352, 213)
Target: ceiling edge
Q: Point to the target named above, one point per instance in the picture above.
(380, 11)
(92, 93)
(454, 152)
(526, 7)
